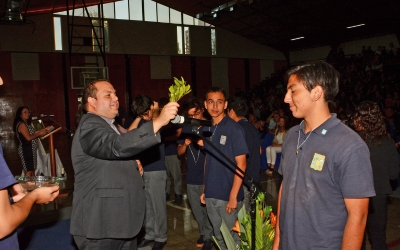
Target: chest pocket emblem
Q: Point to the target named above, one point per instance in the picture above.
(318, 162)
(222, 140)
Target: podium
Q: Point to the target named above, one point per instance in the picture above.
(51, 150)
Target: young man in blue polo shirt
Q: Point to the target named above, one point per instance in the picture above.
(327, 175)
(222, 190)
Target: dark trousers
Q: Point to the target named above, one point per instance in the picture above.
(84, 243)
(376, 222)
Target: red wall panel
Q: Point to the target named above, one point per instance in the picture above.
(280, 65)
(49, 93)
(41, 96)
(72, 93)
(236, 75)
(117, 76)
(255, 72)
(203, 76)
(181, 66)
(156, 88)
(141, 82)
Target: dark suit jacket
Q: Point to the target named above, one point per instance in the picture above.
(109, 196)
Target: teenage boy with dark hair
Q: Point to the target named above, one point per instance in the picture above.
(223, 191)
(327, 175)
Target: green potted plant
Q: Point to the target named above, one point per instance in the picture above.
(265, 222)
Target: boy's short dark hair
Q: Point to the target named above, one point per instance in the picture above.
(239, 105)
(141, 104)
(317, 73)
(216, 90)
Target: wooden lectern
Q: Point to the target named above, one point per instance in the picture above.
(51, 151)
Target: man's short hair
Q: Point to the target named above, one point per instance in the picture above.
(90, 90)
(239, 105)
(216, 90)
(141, 104)
(317, 73)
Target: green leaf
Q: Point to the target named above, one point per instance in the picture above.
(177, 82)
(179, 89)
(241, 215)
(226, 234)
(216, 243)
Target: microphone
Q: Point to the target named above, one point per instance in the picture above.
(191, 121)
(46, 115)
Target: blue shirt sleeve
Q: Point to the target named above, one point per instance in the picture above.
(6, 178)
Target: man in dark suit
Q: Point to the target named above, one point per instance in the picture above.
(108, 206)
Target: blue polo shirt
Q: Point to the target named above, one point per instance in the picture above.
(7, 179)
(333, 163)
(194, 157)
(153, 158)
(228, 136)
(253, 161)
(169, 130)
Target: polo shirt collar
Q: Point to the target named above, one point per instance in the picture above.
(224, 120)
(324, 128)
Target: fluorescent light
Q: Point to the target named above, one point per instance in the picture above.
(358, 25)
(297, 38)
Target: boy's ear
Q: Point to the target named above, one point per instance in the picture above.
(317, 93)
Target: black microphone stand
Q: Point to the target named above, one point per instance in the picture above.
(255, 187)
(72, 134)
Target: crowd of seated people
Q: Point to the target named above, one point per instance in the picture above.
(369, 75)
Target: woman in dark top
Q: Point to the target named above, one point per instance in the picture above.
(27, 137)
(383, 154)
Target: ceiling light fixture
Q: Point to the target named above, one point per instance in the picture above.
(358, 25)
(297, 38)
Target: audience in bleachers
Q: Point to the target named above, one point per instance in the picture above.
(370, 75)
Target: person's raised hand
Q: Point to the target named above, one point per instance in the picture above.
(187, 142)
(168, 112)
(44, 195)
